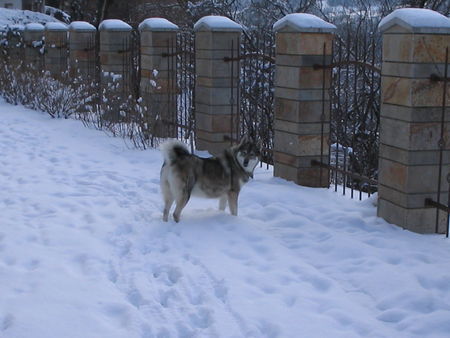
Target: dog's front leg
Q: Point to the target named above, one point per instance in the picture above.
(233, 202)
(222, 203)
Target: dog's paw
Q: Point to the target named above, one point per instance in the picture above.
(176, 217)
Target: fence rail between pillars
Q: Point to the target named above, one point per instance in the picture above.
(353, 140)
(252, 102)
(180, 62)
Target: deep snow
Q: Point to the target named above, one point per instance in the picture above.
(9, 17)
(84, 253)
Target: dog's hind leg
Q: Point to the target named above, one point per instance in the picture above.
(168, 199)
(233, 202)
(181, 203)
(223, 203)
(182, 194)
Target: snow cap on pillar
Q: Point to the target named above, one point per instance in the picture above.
(81, 26)
(56, 26)
(303, 22)
(34, 27)
(217, 23)
(416, 20)
(157, 24)
(114, 25)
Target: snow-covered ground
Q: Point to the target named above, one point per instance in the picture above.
(84, 253)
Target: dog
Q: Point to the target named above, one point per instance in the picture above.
(184, 175)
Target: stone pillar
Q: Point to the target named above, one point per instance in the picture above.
(56, 48)
(414, 42)
(34, 45)
(115, 53)
(15, 43)
(82, 49)
(302, 41)
(216, 115)
(158, 74)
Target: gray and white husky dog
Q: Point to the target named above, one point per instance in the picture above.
(184, 175)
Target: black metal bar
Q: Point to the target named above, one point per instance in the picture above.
(338, 110)
(353, 175)
(363, 70)
(372, 92)
(441, 142)
(232, 94)
(330, 133)
(165, 115)
(355, 110)
(183, 83)
(193, 80)
(243, 85)
(437, 78)
(346, 106)
(434, 204)
(249, 56)
(173, 89)
(322, 116)
(177, 53)
(448, 206)
(349, 62)
(238, 103)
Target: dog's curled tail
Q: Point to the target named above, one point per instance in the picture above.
(173, 149)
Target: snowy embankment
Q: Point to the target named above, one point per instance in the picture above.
(10, 17)
(84, 253)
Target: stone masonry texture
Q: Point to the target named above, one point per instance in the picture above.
(411, 112)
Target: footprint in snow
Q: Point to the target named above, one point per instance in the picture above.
(196, 297)
(119, 312)
(112, 274)
(168, 274)
(319, 283)
(146, 331)
(221, 291)
(6, 322)
(392, 316)
(11, 261)
(167, 297)
(163, 333)
(290, 300)
(135, 298)
(202, 319)
(441, 283)
(267, 329)
(32, 265)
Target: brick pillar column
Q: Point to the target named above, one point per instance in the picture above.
(414, 42)
(301, 41)
(115, 42)
(34, 45)
(82, 49)
(158, 74)
(216, 115)
(56, 48)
